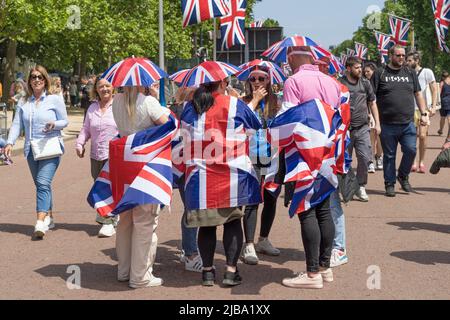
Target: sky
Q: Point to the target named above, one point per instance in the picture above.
(327, 22)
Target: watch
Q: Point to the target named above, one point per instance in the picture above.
(424, 114)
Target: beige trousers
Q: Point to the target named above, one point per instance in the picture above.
(136, 243)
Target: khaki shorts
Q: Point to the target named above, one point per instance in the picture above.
(417, 115)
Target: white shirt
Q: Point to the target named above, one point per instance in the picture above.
(148, 111)
(425, 78)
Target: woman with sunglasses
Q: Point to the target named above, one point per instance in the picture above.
(41, 115)
(261, 98)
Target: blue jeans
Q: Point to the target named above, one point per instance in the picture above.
(43, 172)
(339, 221)
(188, 235)
(391, 136)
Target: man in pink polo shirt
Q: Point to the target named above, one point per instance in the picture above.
(308, 82)
(317, 226)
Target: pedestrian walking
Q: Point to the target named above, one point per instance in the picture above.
(397, 89)
(362, 98)
(445, 103)
(429, 92)
(43, 117)
(100, 128)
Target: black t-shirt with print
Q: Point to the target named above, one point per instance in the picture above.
(395, 91)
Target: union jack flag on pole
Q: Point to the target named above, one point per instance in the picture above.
(196, 11)
(399, 29)
(307, 133)
(361, 51)
(232, 25)
(384, 42)
(441, 10)
(344, 59)
(139, 171)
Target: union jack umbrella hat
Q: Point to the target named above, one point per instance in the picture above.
(178, 76)
(207, 72)
(132, 72)
(275, 72)
(278, 52)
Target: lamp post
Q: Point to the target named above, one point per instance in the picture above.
(162, 98)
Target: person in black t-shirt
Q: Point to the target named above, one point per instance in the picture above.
(362, 98)
(397, 88)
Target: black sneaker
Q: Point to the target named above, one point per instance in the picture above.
(232, 278)
(390, 190)
(405, 184)
(208, 277)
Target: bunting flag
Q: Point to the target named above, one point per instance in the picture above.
(257, 24)
(399, 30)
(196, 11)
(384, 42)
(441, 10)
(361, 51)
(233, 24)
(350, 52)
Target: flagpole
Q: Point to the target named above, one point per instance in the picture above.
(162, 98)
(413, 41)
(406, 19)
(215, 40)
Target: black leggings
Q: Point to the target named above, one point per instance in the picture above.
(267, 217)
(232, 242)
(317, 235)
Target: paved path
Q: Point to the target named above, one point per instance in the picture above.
(407, 238)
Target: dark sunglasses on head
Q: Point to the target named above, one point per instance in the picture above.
(37, 77)
(260, 79)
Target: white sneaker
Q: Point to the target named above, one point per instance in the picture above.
(304, 282)
(154, 282)
(248, 254)
(40, 229)
(49, 222)
(194, 265)
(379, 162)
(327, 275)
(338, 257)
(264, 246)
(362, 195)
(106, 231)
(371, 168)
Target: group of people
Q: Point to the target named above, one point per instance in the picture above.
(387, 107)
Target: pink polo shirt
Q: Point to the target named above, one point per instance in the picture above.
(100, 128)
(309, 83)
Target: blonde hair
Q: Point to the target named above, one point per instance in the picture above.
(44, 73)
(131, 95)
(53, 89)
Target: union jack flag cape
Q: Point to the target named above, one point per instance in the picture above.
(139, 171)
(384, 42)
(307, 134)
(233, 24)
(196, 11)
(361, 50)
(342, 123)
(441, 10)
(399, 30)
(217, 167)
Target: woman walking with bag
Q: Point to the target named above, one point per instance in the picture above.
(43, 117)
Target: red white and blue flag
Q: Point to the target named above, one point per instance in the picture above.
(257, 24)
(232, 25)
(399, 30)
(350, 52)
(307, 133)
(342, 123)
(361, 51)
(344, 59)
(384, 42)
(218, 170)
(335, 66)
(441, 10)
(138, 172)
(196, 11)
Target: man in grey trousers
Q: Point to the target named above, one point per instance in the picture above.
(362, 97)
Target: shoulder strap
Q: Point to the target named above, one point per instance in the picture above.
(418, 73)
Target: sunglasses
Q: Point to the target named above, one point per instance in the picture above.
(260, 79)
(37, 77)
(400, 55)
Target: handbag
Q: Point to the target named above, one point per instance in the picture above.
(45, 148)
